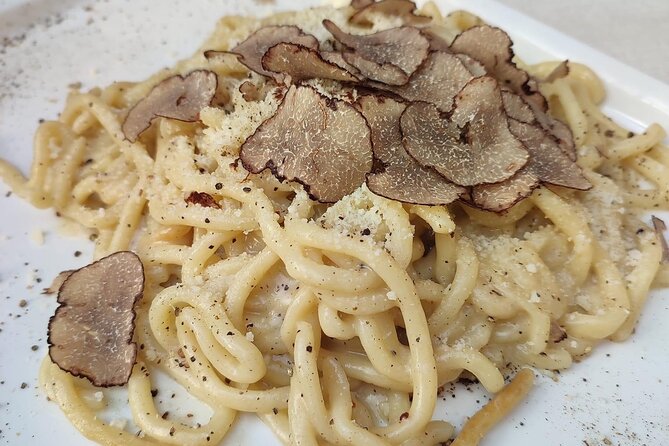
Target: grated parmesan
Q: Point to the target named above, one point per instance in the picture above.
(37, 236)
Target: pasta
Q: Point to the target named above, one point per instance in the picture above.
(337, 323)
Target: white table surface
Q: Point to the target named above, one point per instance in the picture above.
(634, 32)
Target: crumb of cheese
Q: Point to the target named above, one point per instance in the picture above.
(37, 236)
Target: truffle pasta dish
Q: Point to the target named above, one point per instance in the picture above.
(325, 216)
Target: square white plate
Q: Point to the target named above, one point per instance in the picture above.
(619, 395)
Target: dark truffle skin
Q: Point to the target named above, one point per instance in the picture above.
(251, 50)
(90, 335)
(177, 97)
(319, 142)
(398, 176)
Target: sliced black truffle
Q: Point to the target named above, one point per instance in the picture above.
(501, 196)
(176, 97)
(389, 56)
(387, 73)
(337, 58)
(475, 146)
(475, 67)
(255, 92)
(519, 109)
(516, 108)
(559, 130)
(547, 160)
(548, 163)
(403, 9)
(252, 50)
(90, 335)
(250, 91)
(398, 176)
(492, 47)
(437, 43)
(300, 63)
(323, 143)
(437, 81)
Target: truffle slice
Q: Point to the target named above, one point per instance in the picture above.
(255, 92)
(250, 91)
(437, 81)
(320, 142)
(387, 73)
(252, 50)
(475, 146)
(475, 67)
(176, 97)
(404, 9)
(90, 334)
(547, 160)
(437, 43)
(398, 176)
(659, 226)
(337, 58)
(300, 63)
(547, 164)
(501, 196)
(388, 56)
(517, 108)
(492, 47)
(560, 131)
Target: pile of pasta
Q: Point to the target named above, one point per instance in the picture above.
(338, 323)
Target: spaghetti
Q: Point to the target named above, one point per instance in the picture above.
(337, 323)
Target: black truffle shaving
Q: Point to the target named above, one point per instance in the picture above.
(90, 334)
(317, 141)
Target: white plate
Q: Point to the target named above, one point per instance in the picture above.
(618, 394)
